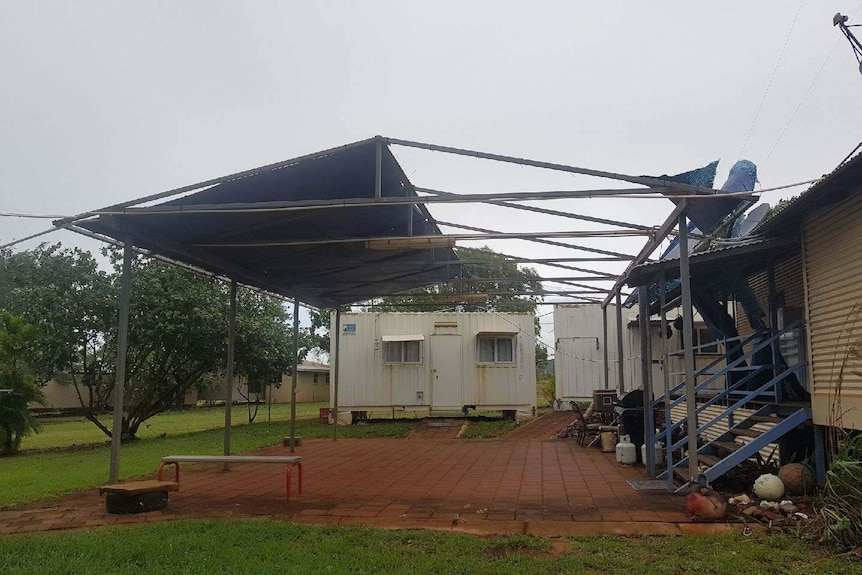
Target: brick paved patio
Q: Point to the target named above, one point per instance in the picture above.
(510, 485)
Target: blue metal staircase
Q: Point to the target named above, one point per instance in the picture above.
(736, 409)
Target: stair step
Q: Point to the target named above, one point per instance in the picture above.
(727, 445)
(707, 459)
(767, 418)
(682, 473)
(746, 432)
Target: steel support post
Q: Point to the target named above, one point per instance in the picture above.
(665, 364)
(294, 375)
(605, 346)
(336, 368)
(122, 350)
(646, 369)
(687, 335)
(621, 365)
(228, 384)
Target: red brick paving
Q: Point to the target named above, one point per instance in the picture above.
(484, 485)
(545, 427)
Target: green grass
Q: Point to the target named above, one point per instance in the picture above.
(488, 428)
(33, 476)
(267, 546)
(57, 432)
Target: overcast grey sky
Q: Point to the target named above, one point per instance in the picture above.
(108, 101)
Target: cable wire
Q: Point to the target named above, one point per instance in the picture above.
(771, 79)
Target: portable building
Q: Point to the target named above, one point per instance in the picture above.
(435, 362)
(579, 351)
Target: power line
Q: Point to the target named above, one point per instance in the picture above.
(771, 78)
(805, 95)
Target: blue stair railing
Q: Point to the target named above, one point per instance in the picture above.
(717, 457)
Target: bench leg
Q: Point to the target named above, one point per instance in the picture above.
(176, 465)
(289, 474)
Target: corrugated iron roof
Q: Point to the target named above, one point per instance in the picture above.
(843, 181)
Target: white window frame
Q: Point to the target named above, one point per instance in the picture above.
(496, 338)
(403, 344)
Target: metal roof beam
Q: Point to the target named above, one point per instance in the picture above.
(649, 248)
(431, 238)
(542, 241)
(642, 180)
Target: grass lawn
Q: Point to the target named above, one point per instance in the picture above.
(33, 476)
(267, 546)
(488, 428)
(68, 431)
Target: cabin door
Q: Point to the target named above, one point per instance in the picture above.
(446, 372)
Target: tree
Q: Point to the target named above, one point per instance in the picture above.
(505, 294)
(264, 344)
(68, 299)
(177, 335)
(18, 386)
(317, 336)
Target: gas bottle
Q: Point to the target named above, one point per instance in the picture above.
(626, 451)
(659, 454)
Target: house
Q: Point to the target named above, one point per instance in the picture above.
(432, 362)
(312, 384)
(795, 370)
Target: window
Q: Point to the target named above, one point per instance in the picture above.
(704, 337)
(314, 378)
(327, 379)
(402, 349)
(497, 349)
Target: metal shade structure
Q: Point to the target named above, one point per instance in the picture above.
(268, 228)
(345, 225)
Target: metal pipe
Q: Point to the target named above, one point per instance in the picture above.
(426, 241)
(646, 369)
(688, 335)
(642, 180)
(663, 230)
(228, 387)
(621, 367)
(437, 197)
(605, 346)
(625, 257)
(562, 214)
(665, 378)
(378, 168)
(294, 375)
(120, 371)
(336, 368)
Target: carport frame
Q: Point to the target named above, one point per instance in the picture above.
(654, 187)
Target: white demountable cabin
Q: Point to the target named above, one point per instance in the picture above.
(435, 362)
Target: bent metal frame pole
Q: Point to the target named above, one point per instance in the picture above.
(687, 335)
(228, 387)
(122, 348)
(294, 375)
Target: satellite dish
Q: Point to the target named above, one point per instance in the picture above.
(753, 218)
